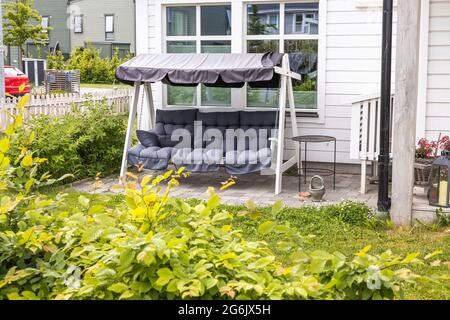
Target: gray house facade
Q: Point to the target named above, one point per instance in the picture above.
(54, 14)
(108, 25)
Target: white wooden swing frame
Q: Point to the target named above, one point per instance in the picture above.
(286, 93)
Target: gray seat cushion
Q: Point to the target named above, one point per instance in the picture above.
(154, 158)
(247, 161)
(197, 160)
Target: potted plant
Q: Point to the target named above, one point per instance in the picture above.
(426, 152)
(444, 145)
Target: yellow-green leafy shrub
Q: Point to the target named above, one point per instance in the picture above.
(93, 68)
(152, 246)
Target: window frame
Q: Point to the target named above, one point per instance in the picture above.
(112, 15)
(48, 24)
(281, 37)
(239, 45)
(198, 39)
(75, 24)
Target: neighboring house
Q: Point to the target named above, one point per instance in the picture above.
(341, 40)
(54, 14)
(105, 24)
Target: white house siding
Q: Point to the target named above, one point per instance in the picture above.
(352, 67)
(438, 88)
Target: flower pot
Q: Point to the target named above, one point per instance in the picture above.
(422, 172)
(317, 188)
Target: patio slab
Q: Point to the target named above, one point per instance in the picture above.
(260, 189)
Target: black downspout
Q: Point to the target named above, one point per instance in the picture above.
(384, 202)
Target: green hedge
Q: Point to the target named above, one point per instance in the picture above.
(93, 68)
(80, 143)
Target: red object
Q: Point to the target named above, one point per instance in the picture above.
(14, 78)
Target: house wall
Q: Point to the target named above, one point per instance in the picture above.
(94, 22)
(438, 73)
(57, 11)
(349, 63)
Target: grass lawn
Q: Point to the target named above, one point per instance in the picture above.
(331, 233)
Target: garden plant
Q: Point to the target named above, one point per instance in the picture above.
(152, 246)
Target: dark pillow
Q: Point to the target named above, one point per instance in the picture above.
(166, 141)
(147, 138)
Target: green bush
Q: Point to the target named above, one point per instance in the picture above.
(93, 68)
(151, 246)
(155, 247)
(79, 143)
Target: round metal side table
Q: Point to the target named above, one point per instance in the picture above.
(324, 172)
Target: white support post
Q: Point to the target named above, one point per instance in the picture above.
(130, 128)
(281, 127)
(293, 117)
(150, 105)
(364, 176)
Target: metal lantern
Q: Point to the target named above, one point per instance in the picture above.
(439, 193)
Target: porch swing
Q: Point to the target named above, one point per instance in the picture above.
(156, 148)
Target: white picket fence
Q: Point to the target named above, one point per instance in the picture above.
(59, 104)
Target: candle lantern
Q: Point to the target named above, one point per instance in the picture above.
(439, 192)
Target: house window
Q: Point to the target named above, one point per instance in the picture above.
(297, 35)
(198, 29)
(109, 27)
(78, 24)
(45, 23)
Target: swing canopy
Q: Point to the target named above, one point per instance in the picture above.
(212, 70)
(159, 145)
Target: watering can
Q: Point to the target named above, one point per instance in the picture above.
(317, 188)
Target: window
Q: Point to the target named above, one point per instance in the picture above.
(298, 35)
(78, 24)
(109, 27)
(302, 18)
(198, 29)
(45, 23)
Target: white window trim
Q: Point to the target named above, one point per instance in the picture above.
(280, 37)
(198, 38)
(47, 18)
(238, 45)
(79, 16)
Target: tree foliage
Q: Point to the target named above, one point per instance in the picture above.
(22, 23)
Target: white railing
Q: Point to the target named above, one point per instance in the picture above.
(365, 133)
(60, 104)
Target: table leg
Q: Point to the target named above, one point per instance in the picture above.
(299, 170)
(334, 166)
(306, 159)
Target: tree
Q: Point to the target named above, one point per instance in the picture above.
(255, 26)
(18, 26)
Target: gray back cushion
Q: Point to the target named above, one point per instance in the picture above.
(215, 122)
(167, 121)
(262, 122)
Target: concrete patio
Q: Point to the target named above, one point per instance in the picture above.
(260, 188)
